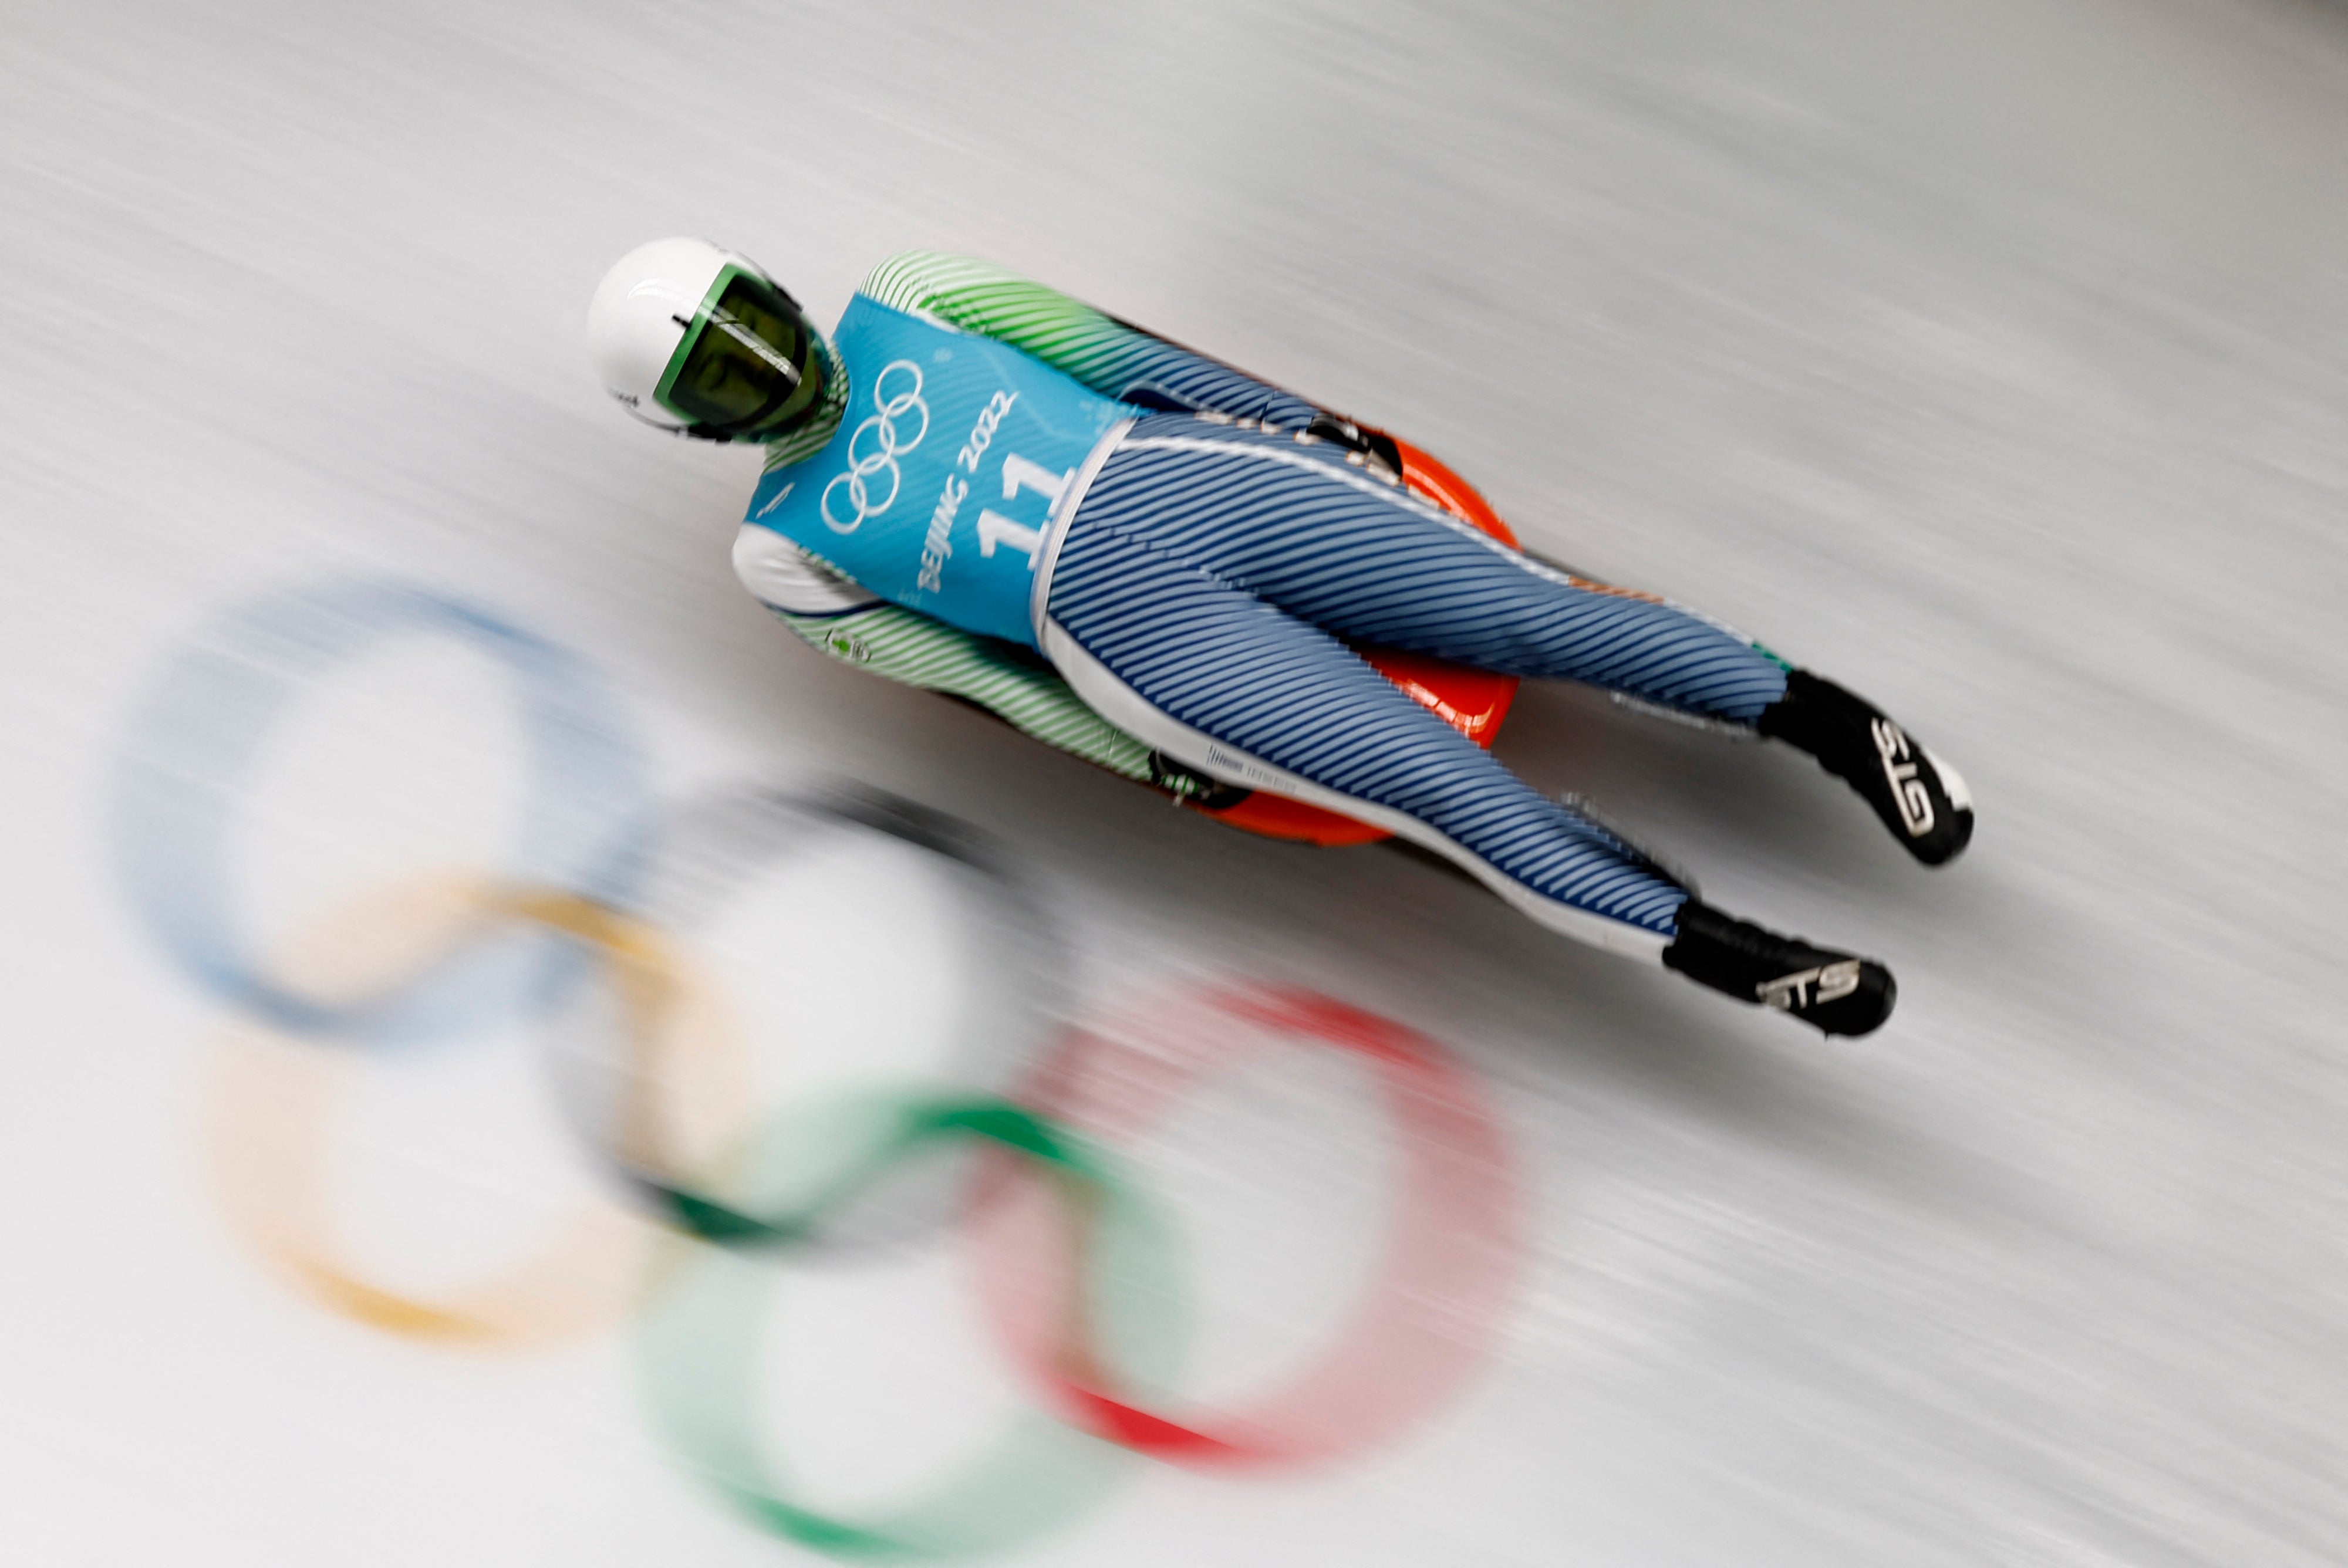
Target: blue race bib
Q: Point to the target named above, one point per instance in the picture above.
(956, 461)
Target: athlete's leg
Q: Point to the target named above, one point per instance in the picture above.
(1242, 689)
(1339, 546)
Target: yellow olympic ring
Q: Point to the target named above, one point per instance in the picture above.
(270, 1102)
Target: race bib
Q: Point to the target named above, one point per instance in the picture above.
(957, 460)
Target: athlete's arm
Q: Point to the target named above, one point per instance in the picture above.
(1112, 357)
(837, 617)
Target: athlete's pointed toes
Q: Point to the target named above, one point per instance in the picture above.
(1946, 842)
(1954, 831)
(1860, 1011)
(1833, 992)
(1921, 799)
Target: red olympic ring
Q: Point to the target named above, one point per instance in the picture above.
(1436, 1296)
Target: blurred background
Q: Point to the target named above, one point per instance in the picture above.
(1992, 359)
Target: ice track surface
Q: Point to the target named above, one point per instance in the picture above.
(1991, 358)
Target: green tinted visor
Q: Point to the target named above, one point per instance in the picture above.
(750, 368)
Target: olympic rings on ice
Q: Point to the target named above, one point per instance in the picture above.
(177, 796)
(1076, 1274)
(888, 409)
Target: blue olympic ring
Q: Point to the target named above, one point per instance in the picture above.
(176, 797)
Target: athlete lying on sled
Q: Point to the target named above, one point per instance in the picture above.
(979, 470)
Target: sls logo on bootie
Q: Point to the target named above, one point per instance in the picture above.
(1900, 766)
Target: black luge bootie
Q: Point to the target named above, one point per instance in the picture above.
(1920, 797)
(1833, 992)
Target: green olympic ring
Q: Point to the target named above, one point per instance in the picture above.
(700, 1343)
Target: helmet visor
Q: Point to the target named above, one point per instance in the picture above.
(749, 368)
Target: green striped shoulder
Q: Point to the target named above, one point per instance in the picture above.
(910, 280)
(979, 297)
(908, 647)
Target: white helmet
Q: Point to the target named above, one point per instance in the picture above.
(696, 339)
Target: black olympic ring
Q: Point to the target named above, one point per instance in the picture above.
(705, 855)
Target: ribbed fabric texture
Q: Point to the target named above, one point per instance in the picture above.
(1333, 545)
(1002, 677)
(1214, 567)
(1211, 570)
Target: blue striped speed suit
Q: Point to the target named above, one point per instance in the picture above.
(1196, 594)
(1198, 597)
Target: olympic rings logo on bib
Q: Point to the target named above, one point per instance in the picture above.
(861, 468)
